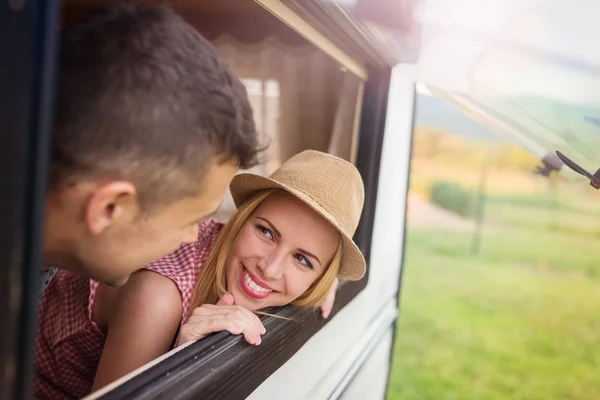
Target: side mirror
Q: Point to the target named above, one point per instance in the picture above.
(594, 179)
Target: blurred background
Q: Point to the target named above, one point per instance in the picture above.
(500, 294)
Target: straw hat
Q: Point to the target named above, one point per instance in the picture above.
(329, 185)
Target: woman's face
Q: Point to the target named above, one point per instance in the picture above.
(279, 252)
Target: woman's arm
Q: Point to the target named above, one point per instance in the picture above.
(141, 326)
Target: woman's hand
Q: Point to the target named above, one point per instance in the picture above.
(327, 305)
(223, 316)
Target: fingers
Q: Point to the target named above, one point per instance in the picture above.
(327, 305)
(252, 324)
(196, 330)
(226, 300)
(239, 311)
(251, 318)
(209, 318)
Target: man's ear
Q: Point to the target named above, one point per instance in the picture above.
(110, 203)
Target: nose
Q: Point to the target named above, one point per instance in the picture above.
(192, 235)
(271, 265)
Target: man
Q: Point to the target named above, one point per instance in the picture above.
(150, 128)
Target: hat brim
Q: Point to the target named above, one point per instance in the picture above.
(244, 186)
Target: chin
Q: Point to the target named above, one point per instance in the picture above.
(116, 282)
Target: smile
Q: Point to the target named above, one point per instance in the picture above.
(257, 290)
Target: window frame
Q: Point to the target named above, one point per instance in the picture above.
(29, 37)
(225, 366)
(29, 34)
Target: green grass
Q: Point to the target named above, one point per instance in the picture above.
(521, 320)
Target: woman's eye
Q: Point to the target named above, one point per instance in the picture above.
(304, 260)
(265, 231)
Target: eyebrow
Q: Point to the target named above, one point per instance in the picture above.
(309, 254)
(270, 225)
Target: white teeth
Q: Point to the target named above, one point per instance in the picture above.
(253, 285)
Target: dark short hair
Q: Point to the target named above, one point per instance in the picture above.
(142, 96)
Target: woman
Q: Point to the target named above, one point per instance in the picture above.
(287, 243)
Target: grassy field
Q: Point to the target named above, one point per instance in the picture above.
(520, 320)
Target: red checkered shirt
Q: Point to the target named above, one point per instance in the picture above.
(68, 343)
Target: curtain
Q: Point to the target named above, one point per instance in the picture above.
(301, 98)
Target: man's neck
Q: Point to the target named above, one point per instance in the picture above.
(58, 259)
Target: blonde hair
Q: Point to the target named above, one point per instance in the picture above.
(212, 280)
